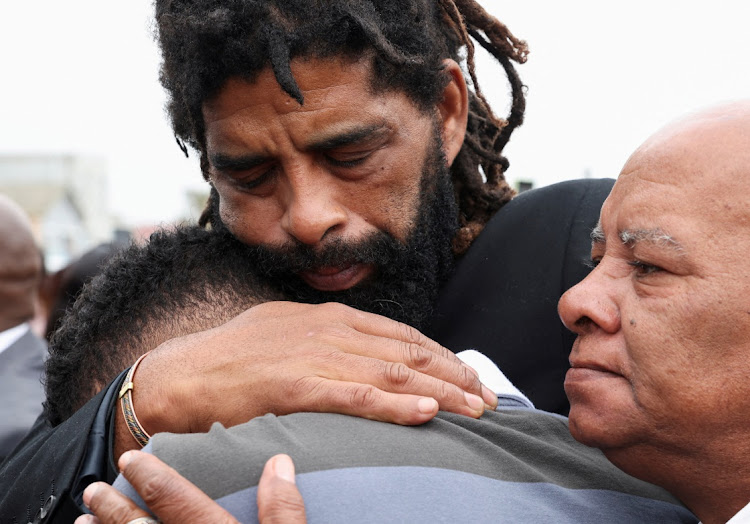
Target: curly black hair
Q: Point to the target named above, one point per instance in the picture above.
(181, 282)
(206, 42)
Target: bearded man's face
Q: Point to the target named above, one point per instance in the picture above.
(347, 198)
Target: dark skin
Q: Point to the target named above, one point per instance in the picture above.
(300, 357)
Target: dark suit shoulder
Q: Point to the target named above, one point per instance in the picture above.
(502, 297)
(29, 351)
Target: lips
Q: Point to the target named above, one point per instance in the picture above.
(584, 371)
(336, 278)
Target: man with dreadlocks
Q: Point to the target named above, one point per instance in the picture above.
(345, 149)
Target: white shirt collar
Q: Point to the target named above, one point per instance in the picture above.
(10, 336)
(491, 376)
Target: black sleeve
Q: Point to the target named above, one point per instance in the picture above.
(49, 469)
(502, 298)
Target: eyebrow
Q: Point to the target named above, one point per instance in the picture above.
(226, 162)
(349, 137)
(597, 234)
(629, 237)
(655, 236)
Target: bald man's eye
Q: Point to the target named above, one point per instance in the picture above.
(592, 262)
(643, 269)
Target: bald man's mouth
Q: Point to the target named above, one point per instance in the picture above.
(338, 278)
(582, 370)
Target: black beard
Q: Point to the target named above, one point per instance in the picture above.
(408, 275)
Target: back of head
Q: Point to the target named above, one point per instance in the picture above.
(20, 265)
(406, 42)
(180, 282)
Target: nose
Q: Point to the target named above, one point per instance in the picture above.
(591, 304)
(312, 210)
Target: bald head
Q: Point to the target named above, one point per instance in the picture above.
(707, 149)
(659, 370)
(20, 265)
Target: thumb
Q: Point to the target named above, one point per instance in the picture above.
(279, 500)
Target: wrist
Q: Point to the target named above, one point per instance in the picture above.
(139, 434)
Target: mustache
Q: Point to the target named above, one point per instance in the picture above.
(379, 248)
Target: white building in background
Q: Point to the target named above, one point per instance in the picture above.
(66, 198)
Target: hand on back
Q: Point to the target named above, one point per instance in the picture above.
(286, 357)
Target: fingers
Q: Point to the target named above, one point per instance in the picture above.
(367, 401)
(279, 500)
(109, 505)
(372, 324)
(391, 377)
(449, 375)
(170, 496)
(400, 342)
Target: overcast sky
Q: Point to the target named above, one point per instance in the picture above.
(81, 77)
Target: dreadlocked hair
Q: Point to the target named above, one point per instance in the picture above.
(206, 42)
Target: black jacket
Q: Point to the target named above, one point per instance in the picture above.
(502, 300)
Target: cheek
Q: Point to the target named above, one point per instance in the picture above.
(251, 220)
(672, 350)
(389, 201)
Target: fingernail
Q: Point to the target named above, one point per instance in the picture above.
(427, 405)
(283, 467)
(125, 459)
(490, 397)
(474, 402)
(89, 492)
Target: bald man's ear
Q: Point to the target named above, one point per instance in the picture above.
(454, 111)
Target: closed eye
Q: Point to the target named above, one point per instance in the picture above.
(258, 178)
(346, 161)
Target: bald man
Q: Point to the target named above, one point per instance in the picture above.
(21, 352)
(660, 371)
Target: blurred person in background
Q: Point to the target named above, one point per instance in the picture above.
(22, 352)
(60, 289)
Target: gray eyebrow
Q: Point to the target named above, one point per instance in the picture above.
(654, 236)
(597, 234)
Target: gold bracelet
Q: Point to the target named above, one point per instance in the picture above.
(126, 396)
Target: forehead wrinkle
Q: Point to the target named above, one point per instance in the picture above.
(654, 236)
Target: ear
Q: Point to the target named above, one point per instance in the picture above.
(454, 111)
